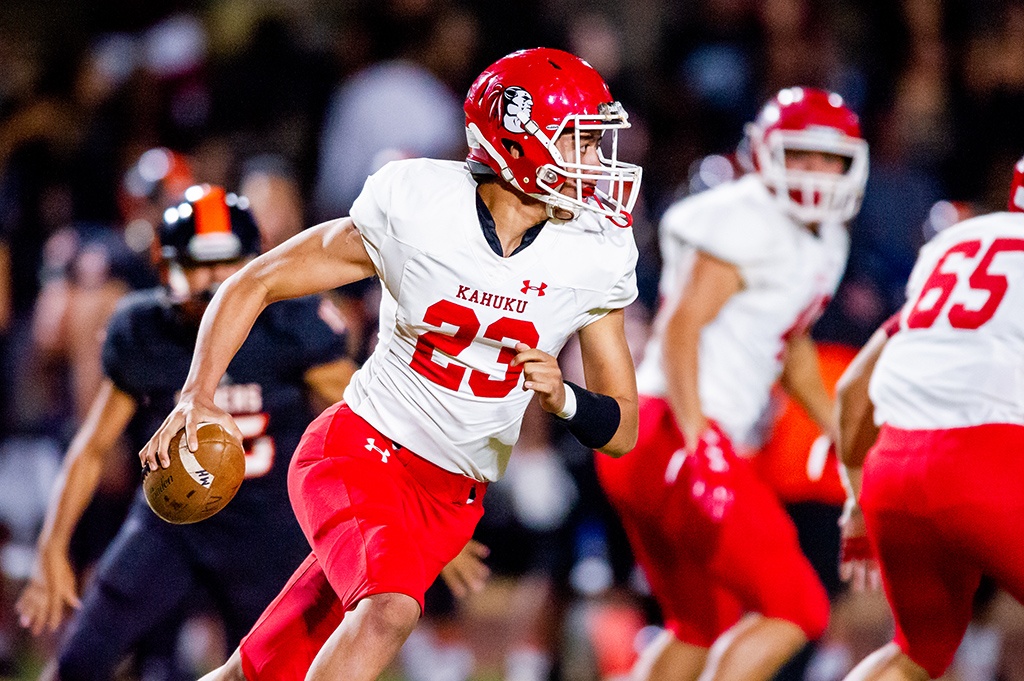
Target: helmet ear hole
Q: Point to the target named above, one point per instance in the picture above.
(514, 149)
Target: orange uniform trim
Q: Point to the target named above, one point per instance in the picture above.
(212, 214)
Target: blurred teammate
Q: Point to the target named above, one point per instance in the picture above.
(153, 571)
(488, 268)
(940, 493)
(748, 267)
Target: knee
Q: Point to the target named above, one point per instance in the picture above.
(390, 615)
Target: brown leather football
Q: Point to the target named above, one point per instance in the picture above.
(196, 484)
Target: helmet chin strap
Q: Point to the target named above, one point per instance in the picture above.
(559, 213)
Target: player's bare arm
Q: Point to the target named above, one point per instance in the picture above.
(856, 433)
(801, 379)
(52, 587)
(712, 283)
(607, 368)
(323, 257)
(855, 414)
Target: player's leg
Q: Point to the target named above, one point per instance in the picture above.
(990, 524)
(367, 640)
(929, 580)
(141, 580)
(694, 609)
(666, 657)
(888, 663)
(428, 529)
(671, 541)
(382, 523)
(758, 559)
(753, 649)
(361, 646)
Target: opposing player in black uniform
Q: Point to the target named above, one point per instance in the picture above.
(241, 557)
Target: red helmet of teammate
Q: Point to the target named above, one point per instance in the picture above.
(1017, 188)
(528, 99)
(808, 119)
(159, 177)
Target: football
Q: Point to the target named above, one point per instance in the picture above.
(196, 484)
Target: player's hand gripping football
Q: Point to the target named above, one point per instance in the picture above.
(857, 563)
(466, 573)
(190, 411)
(49, 593)
(543, 376)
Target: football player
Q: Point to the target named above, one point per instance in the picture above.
(938, 393)
(488, 267)
(747, 268)
(152, 570)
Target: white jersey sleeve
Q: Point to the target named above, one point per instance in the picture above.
(621, 274)
(957, 359)
(370, 213)
(736, 233)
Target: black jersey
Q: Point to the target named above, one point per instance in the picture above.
(154, 573)
(147, 353)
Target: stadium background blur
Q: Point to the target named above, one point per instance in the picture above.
(321, 93)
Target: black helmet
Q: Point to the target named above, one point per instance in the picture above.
(210, 226)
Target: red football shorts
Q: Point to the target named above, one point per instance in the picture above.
(942, 508)
(711, 538)
(380, 520)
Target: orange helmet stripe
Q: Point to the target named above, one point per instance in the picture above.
(212, 214)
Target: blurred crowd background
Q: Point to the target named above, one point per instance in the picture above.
(295, 102)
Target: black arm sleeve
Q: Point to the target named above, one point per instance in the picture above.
(596, 419)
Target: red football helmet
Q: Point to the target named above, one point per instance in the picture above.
(1017, 188)
(808, 119)
(529, 99)
(160, 176)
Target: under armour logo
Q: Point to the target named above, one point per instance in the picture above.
(539, 289)
(371, 447)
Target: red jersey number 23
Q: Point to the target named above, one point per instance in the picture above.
(467, 328)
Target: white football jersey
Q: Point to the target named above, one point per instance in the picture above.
(439, 380)
(958, 357)
(789, 275)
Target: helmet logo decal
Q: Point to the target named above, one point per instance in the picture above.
(516, 107)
